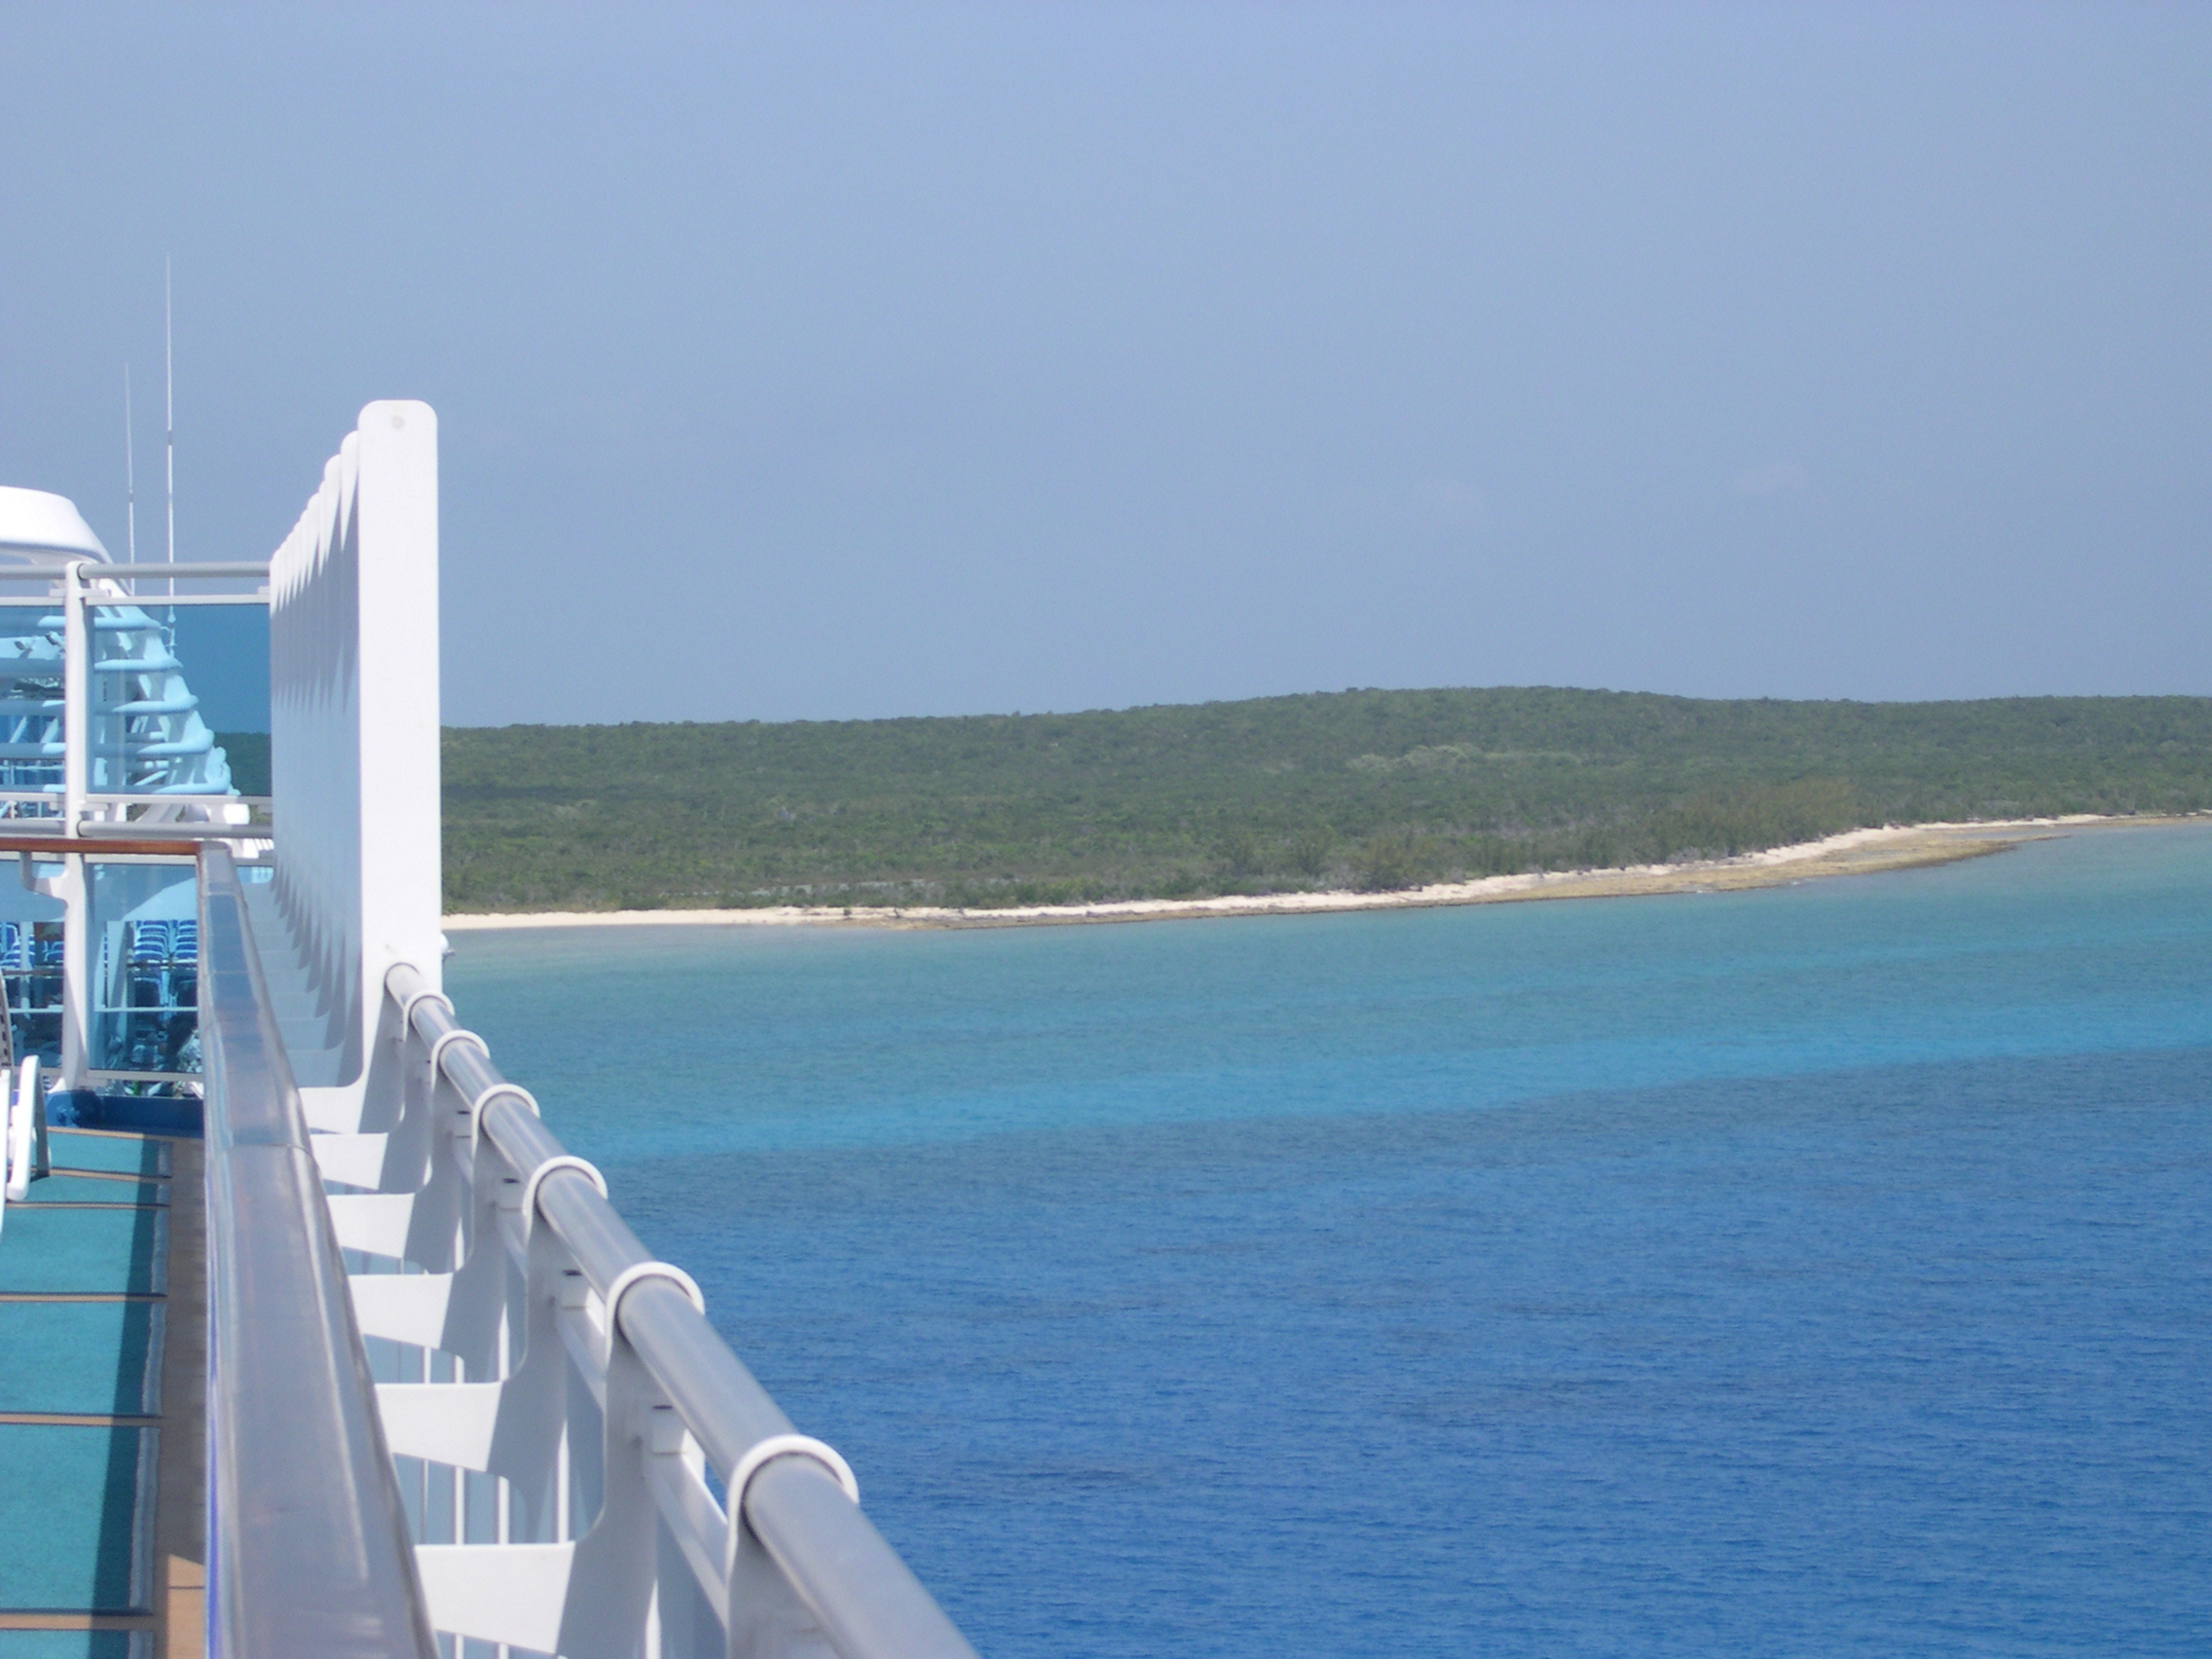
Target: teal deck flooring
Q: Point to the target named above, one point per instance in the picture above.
(127, 1155)
(67, 1186)
(76, 1516)
(69, 1514)
(49, 1247)
(65, 1644)
(80, 1357)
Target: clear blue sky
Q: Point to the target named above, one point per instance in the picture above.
(848, 361)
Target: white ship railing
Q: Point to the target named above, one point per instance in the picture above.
(651, 1498)
(568, 1458)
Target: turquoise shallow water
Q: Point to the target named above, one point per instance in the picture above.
(1819, 1270)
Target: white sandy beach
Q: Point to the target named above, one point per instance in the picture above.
(1857, 852)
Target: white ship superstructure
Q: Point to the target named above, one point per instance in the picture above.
(101, 735)
(449, 1404)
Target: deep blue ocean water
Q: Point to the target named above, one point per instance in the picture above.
(1819, 1270)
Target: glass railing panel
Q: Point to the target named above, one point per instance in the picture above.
(144, 1014)
(30, 962)
(224, 649)
(179, 697)
(32, 675)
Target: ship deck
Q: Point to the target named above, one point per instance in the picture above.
(101, 1381)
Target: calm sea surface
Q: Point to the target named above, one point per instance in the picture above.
(1823, 1270)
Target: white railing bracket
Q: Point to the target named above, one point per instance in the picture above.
(636, 1274)
(536, 1178)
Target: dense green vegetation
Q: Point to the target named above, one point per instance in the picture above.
(248, 754)
(1376, 789)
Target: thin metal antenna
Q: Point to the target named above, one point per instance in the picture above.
(169, 378)
(130, 473)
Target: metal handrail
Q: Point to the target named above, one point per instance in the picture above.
(308, 1549)
(862, 1594)
(210, 569)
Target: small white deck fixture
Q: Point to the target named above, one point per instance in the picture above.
(44, 530)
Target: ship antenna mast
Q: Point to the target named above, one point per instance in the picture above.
(130, 474)
(169, 378)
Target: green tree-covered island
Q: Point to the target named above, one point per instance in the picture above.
(1374, 790)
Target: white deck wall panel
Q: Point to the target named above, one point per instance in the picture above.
(353, 738)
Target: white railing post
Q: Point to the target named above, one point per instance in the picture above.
(76, 776)
(401, 897)
(76, 699)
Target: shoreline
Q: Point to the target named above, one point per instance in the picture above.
(1855, 852)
